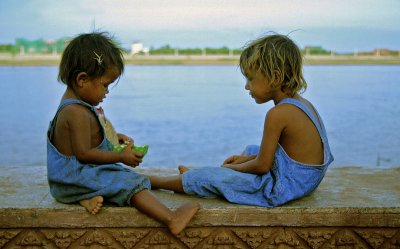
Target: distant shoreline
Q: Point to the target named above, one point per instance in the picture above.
(51, 60)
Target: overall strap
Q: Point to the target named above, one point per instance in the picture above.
(63, 104)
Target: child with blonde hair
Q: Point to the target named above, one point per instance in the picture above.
(81, 165)
(294, 153)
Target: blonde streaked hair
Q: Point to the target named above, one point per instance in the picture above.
(278, 58)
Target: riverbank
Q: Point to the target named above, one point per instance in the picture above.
(49, 60)
(354, 207)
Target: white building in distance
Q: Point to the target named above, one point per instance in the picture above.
(137, 48)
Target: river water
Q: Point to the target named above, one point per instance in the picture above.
(200, 114)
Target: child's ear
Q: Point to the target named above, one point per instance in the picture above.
(277, 79)
(81, 78)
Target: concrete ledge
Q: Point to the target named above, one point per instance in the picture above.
(354, 207)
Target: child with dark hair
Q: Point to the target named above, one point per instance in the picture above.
(81, 167)
(294, 153)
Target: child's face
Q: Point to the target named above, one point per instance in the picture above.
(259, 87)
(95, 90)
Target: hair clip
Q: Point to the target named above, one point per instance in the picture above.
(98, 58)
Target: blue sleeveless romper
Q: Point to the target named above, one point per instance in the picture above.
(71, 181)
(287, 179)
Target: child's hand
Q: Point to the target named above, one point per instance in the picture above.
(130, 157)
(236, 167)
(236, 159)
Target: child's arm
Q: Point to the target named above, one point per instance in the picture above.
(273, 127)
(238, 159)
(82, 127)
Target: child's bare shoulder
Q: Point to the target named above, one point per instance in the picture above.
(284, 115)
(277, 117)
(282, 111)
(74, 111)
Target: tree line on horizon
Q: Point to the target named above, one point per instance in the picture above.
(41, 46)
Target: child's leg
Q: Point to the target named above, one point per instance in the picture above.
(92, 205)
(176, 220)
(173, 183)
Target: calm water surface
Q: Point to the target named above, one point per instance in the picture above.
(199, 115)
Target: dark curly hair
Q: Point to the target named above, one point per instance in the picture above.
(92, 53)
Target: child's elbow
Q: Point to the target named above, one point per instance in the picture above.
(262, 167)
(262, 170)
(83, 156)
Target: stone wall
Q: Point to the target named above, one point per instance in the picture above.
(203, 237)
(352, 208)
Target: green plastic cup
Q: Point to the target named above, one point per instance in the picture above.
(142, 149)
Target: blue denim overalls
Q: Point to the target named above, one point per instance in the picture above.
(286, 181)
(72, 181)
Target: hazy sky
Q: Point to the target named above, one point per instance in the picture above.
(340, 25)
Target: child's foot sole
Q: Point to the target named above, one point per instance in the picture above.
(93, 205)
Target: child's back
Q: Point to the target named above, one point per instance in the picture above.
(300, 138)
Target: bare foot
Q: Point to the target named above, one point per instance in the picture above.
(182, 169)
(182, 216)
(93, 205)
